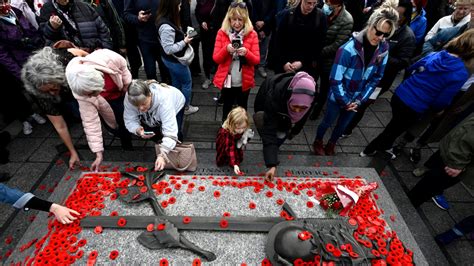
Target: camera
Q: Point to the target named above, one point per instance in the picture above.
(236, 43)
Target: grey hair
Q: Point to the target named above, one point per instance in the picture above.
(138, 91)
(43, 67)
(386, 13)
(84, 79)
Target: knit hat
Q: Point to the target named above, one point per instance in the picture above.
(303, 89)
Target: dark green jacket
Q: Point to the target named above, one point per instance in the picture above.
(457, 149)
(339, 31)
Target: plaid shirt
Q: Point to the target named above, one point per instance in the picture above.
(227, 151)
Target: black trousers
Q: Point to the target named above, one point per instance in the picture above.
(322, 96)
(13, 103)
(403, 117)
(434, 182)
(207, 41)
(232, 96)
(133, 55)
(121, 131)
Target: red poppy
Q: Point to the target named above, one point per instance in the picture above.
(168, 190)
(150, 227)
(113, 254)
(352, 222)
(330, 247)
(161, 227)
(121, 222)
(266, 262)
(269, 194)
(392, 217)
(186, 220)
(82, 243)
(98, 229)
(223, 223)
(140, 184)
(226, 214)
(114, 213)
(305, 235)
(93, 255)
(310, 204)
(353, 254)
(8, 240)
(376, 253)
(164, 204)
(202, 188)
(172, 200)
(217, 194)
(164, 262)
(280, 201)
(143, 189)
(337, 253)
(141, 169)
(124, 191)
(252, 205)
(197, 262)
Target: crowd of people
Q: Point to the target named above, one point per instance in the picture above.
(79, 61)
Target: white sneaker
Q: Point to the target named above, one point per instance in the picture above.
(363, 154)
(390, 151)
(205, 85)
(38, 119)
(189, 110)
(27, 128)
(262, 72)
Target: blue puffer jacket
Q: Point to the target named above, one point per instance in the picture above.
(418, 25)
(92, 29)
(350, 79)
(435, 80)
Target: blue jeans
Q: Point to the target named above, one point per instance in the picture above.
(180, 78)
(334, 111)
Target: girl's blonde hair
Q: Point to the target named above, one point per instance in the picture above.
(236, 117)
(386, 13)
(237, 11)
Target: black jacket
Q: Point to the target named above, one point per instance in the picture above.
(402, 47)
(300, 38)
(272, 98)
(147, 31)
(264, 10)
(93, 32)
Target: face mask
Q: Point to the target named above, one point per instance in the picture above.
(327, 10)
(5, 8)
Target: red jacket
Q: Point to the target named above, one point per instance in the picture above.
(224, 59)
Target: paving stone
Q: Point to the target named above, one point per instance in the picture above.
(369, 120)
(370, 133)
(460, 210)
(355, 139)
(39, 131)
(461, 247)
(440, 220)
(205, 113)
(204, 99)
(352, 149)
(381, 105)
(47, 151)
(27, 176)
(384, 117)
(10, 167)
(22, 148)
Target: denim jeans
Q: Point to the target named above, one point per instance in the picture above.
(151, 55)
(333, 112)
(263, 45)
(180, 78)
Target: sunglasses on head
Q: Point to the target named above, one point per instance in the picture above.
(380, 33)
(238, 4)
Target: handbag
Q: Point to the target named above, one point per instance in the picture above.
(181, 158)
(188, 56)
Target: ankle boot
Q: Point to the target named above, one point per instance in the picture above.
(330, 148)
(318, 147)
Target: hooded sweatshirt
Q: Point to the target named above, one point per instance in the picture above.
(166, 103)
(435, 80)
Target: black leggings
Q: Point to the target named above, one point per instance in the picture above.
(231, 96)
(434, 182)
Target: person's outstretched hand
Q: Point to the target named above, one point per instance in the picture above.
(270, 174)
(63, 214)
(73, 160)
(95, 167)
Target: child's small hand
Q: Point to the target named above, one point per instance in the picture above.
(237, 170)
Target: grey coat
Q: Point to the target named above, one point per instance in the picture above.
(339, 31)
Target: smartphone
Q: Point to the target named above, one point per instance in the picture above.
(148, 133)
(236, 43)
(146, 12)
(192, 34)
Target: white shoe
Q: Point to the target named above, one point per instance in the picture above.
(363, 154)
(27, 128)
(38, 119)
(390, 151)
(205, 85)
(262, 72)
(189, 110)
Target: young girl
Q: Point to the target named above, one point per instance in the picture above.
(236, 52)
(229, 134)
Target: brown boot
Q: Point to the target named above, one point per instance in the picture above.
(318, 147)
(330, 148)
